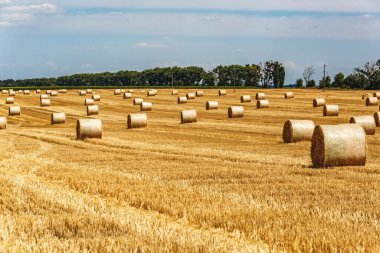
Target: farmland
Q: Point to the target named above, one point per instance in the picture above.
(218, 185)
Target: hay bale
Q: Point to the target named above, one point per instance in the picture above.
(3, 123)
(131, 90)
(151, 93)
(377, 118)
(92, 110)
(222, 92)
(297, 130)
(188, 116)
(289, 94)
(44, 96)
(338, 145)
(174, 92)
(182, 100)
(47, 92)
(89, 101)
(89, 128)
(199, 93)
(88, 91)
(137, 120)
(372, 101)
(331, 110)
(262, 104)
(245, 99)
(146, 106)
(53, 93)
(138, 101)
(96, 97)
(319, 102)
(376, 94)
(9, 100)
(117, 92)
(12, 93)
(212, 105)
(14, 110)
(45, 102)
(26, 92)
(38, 91)
(260, 96)
(4, 92)
(82, 93)
(190, 95)
(235, 112)
(62, 91)
(127, 95)
(366, 121)
(122, 90)
(58, 118)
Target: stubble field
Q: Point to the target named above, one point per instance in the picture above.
(219, 185)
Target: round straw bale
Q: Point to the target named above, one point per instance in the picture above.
(44, 96)
(245, 99)
(53, 93)
(146, 106)
(38, 91)
(3, 122)
(235, 112)
(137, 101)
(319, 102)
(48, 91)
(45, 102)
(62, 91)
(297, 130)
(331, 110)
(376, 94)
(117, 92)
(92, 110)
(137, 120)
(377, 118)
(9, 100)
(12, 93)
(58, 118)
(338, 145)
(131, 90)
(89, 101)
(199, 93)
(222, 92)
(96, 97)
(260, 96)
(26, 92)
(82, 93)
(289, 94)
(4, 92)
(212, 105)
(182, 100)
(262, 104)
(371, 101)
(188, 116)
(14, 110)
(190, 95)
(89, 128)
(367, 122)
(127, 95)
(88, 91)
(151, 93)
(174, 92)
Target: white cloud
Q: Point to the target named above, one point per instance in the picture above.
(5, 24)
(148, 45)
(86, 66)
(290, 65)
(45, 8)
(211, 18)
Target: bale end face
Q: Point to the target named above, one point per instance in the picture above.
(89, 128)
(377, 118)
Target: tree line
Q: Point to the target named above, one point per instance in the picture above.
(269, 73)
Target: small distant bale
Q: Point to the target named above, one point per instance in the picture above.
(89, 128)
(260, 96)
(44, 96)
(330, 110)
(182, 100)
(376, 116)
(38, 91)
(199, 93)
(367, 122)
(262, 104)
(212, 105)
(289, 94)
(58, 118)
(48, 91)
(338, 145)
(131, 90)
(222, 92)
(88, 91)
(138, 101)
(3, 123)
(53, 93)
(26, 92)
(142, 91)
(82, 93)
(317, 102)
(372, 101)
(96, 97)
(14, 111)
(235, 112)
(146, 106)
(62, 91)
(89, 101)
(137, 120)
(10, 100)
(45, 102)
(245, 99)
(4, 92)
(174, 92)
(297, 130)
(127, 95)
(92, 110)
(190, 95)
(12, 93)
(117, 92)
(376, 94)
(151, 93)
(188, 116)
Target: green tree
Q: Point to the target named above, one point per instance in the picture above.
(325, 82)
(338, 80)
(310, 83)
(299, 83)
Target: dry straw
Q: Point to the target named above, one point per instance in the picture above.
(245, 99)
(53, 93)
(174, 92)
(235, 112)
(297, 130)
(376, 94)
(222, 92)
(9, 100)
(331, 110)
(82, 93)
(367, 122)
(45, 102)
(137, 101)
(137, 120)
(338, 145)
(96, 97)
(289, 94)
(127, 95)
(26, 92)
(146, 106)
(3, 123)
(188, 116)
(89, 101)
(377, 118)
(58, 118)
(199, 93)
(14, 110)
(260, 96)
(317, 102)
(182, 100)
(117, 92)
(190, 95)
(89, 128)
(92, 110)
(371, 101)
(262, 104)
(212, 105)
(4, 92)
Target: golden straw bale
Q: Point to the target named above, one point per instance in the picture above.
(260, 96)
(188, 116)
(89, 128)
(212, 105)
(372, 101)
(297, 130)
(199, 93)
(190, 95)
(146, 106)
(376, 94)
(331, 110)
(58, 118)
(53, 93)
(131, 90)
(245, 99)
(367, 122)
(319, 102)
(117, 92)
(38, 91)
(262, 104)
(222, 92)
(377, 118)
(3, 123)
(127, 95)
(96, 97)
(92, 110)
(44, 96)
(89, 101)
(88, 91)
(182, 100)
(235, 112)
(289, 94)
(12, 93)
(4, 92)
(137, 120)
(14, 110)
(137, 101)
(45, 102)
(26, 92)
(174, 92)
(82, 93)
(9, 100)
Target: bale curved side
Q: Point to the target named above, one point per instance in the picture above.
(297, 130)
(89, 128)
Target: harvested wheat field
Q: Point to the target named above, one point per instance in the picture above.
(218, 185)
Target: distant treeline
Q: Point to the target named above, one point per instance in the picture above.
(264, 75)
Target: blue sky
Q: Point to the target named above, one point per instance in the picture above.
(53, 38)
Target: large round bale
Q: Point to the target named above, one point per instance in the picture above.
(182, 100)
(3, 122)
(45, 102)
(297, 130)
(188, 116)
(4, 92)
(82, 93)
(317, 102)
(190, 95)
(174, 92)
(26, 92)
(376, 94)
(14, 110)
(212, 105)
(376, 116)
(127, 95)
(367, 122)
(289, 94)
(89, 101)
(117, 92)
(53, 93)
(44, 96)
(199, 93)
(88, 91)
(262, 104)
(338, 145)
(92, 110)
(146, 106)
(58, 118)
(12, 93)
(260, 96)
(10, 100)
(331, 110)
(89, 128)
(131, 90)
(372, 101)
(235, 112)
(96, 97)
(222, 92)
(138, 101)
(245, 99)
(137, 120)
